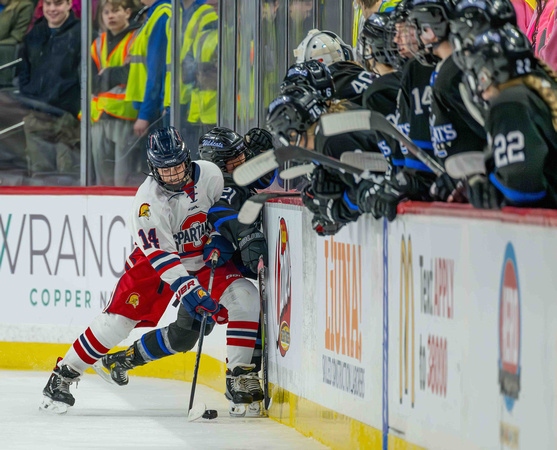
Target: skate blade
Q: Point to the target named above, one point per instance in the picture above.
(50, 406)
(196, 411)
(237, 410)
(254, 410)
(101, 371)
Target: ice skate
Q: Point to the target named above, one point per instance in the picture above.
(253, 385)
(119, 363)
(237, 391)
(57, 397)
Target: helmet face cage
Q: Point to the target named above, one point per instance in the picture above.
(377, 40)
(310, 73)
(294, 112)
(422, 52)
(474, 17)
(497, 56)
(222, 145)
(165, 150)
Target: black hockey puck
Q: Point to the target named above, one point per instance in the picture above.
(210, 414)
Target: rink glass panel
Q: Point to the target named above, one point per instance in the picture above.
(255, 42)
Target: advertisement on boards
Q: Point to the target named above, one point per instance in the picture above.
(60, 256)
(349, 337)
(285, 285)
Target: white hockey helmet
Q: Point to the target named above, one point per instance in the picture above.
(324, 46)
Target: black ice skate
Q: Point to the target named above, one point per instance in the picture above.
(57, 397)
(119, 363)
(237, 391)
(254, 387)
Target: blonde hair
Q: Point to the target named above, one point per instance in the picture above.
(539, 86)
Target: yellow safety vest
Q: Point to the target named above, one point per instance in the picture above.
(203, 105)
(114, 101)
(204, 15)
(137, 78)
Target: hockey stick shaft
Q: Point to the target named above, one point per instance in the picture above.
(214, 258)
(264, 347)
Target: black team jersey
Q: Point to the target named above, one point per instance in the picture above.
(381, 96)
(452, 128)
(522, 152)
(417, 93)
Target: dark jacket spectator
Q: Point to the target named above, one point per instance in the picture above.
(50, 68)
(14, 20)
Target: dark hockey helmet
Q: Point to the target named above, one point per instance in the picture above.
(311, 73)
(497, 56)
(402, 11)
(166, 149)
(377, 39)
(221, 145)
(434, 14)
(294, 112)
(473, 17)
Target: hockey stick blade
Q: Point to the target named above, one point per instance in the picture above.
(372, 162)
(380, 123)
(255, 168)
(197, 410)
(99, 369)
(297, 171)
(249, 212)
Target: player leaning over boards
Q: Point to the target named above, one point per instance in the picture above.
(168, 222)
(235, 242)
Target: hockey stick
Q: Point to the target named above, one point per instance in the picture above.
(199, 410)
(366, 161)
(261, 271)
(362, 120)
(249, 212)
(264, 163)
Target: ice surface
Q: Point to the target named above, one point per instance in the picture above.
(149, 413)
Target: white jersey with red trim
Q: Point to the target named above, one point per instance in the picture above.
(171, 228)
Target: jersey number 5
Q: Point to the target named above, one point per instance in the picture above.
(508, 149)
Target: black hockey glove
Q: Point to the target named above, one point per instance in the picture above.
(447, 189)
(258, 140)
(325, 228)
(483, 194)
(252, 244)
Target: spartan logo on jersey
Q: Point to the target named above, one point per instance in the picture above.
(194, 234)
(144, 210)
(133, 300)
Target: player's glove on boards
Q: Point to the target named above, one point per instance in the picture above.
(258, 140)
(219, 244)
(483, 194)
(194, 298)
(252, 245)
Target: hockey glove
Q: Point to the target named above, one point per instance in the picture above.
(258, 140)
(483, 194)
(252, 245)
(194, 298)
(325, 228)
(222, 246)
(446, 189)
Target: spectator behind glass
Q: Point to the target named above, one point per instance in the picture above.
(540, 31)
(50, 84)
(76, 8)
(147, 65)
(14, 19)
(115, 160)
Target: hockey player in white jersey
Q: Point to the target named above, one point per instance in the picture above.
(168, 222)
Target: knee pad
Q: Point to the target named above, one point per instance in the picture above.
(111, 329)
(241, 299)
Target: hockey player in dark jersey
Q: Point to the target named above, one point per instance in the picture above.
(234, 241)
(453, 129)
(521, 160)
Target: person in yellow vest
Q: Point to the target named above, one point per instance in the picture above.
(202, 114)
(147, 65)
(113, 117)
